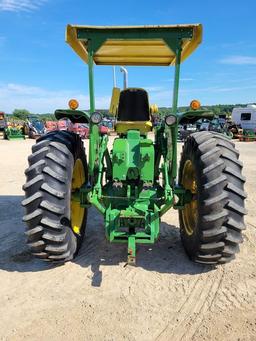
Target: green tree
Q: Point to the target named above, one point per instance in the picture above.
(21, 114)
(46, 117)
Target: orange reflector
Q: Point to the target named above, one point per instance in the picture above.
(73, 104)
(195, 104)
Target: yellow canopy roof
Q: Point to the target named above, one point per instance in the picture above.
(134, 45)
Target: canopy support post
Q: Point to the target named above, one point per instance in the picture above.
(91, 78)
(174, 129)
(94, 129)
(176, 81)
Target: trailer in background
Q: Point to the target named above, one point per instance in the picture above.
(245, 118)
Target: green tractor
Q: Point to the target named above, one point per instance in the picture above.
(14, 130)
(136, 181)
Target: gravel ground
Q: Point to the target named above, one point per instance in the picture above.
(95, 297)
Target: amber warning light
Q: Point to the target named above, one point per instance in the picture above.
(195, 104)
(73, 104)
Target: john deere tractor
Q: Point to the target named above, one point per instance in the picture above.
(136, 181)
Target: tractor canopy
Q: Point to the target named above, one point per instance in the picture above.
(134, 45)
(152, 45)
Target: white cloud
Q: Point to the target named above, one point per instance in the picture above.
(239, 60)
(164, 97)
(39, 100)
(20, 5)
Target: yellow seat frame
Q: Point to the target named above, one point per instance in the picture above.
(144, 127)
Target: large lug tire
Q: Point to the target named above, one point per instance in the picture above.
(211, 225)
(51, 233)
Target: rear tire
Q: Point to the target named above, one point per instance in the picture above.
(47, 200)
(214, 235)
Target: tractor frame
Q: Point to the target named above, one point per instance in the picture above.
(132, 212)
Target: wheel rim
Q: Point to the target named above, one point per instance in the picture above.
(190, 211)
(77, 212)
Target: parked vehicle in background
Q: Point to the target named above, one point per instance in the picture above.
(34, 127)
(63, 124)
(2, 121)
(213, 125)
(108, 123)
(83, 129)
(222, 118)
(51, 126)
(103, 129)
(245, 117)
(80, 128)
(219, 125)
(185, 130)
(14, 130)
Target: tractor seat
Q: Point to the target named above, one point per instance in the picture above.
(133, 111)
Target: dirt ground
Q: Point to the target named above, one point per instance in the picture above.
(95, 297)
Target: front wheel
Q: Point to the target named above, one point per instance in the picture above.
(211, 224)
(55, 221)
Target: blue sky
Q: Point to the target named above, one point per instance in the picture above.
(40, 72)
